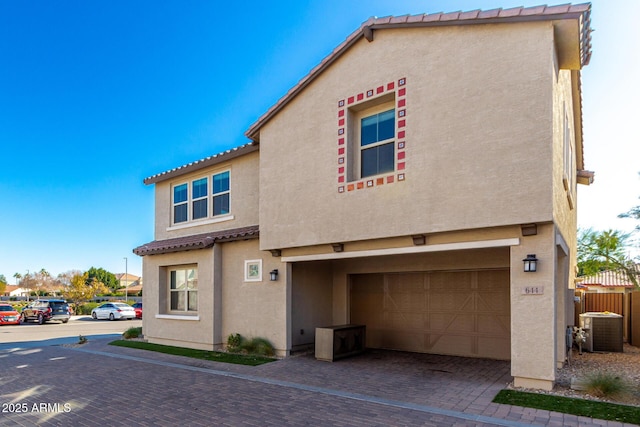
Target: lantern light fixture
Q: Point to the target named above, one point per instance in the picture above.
(273, 274)
(530, 263)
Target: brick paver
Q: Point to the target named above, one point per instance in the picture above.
(97, 384)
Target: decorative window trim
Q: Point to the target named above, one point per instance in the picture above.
(399, 174)
(253, 270)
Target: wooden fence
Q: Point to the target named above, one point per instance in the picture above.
(627, 305)
(613, 303)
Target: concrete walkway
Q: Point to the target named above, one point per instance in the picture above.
(98, 384)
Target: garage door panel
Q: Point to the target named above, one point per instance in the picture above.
(439, 301)
(494, 347)
(452, 322)
(404, 302)
(460, 313)
(404, 320)
(494, 325)
(450, 344)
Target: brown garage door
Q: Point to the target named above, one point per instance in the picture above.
(463, 313)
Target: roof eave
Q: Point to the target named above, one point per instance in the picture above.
(579, 13)
(203, 163)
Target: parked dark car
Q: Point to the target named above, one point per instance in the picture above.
(44, 310)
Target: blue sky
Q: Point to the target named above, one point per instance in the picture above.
(97, 95)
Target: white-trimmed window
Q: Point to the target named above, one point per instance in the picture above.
(180, 203)
(200, 198)
(194, 201)
(183, 290)
(221, 193)
(373, 138)
(377, 137)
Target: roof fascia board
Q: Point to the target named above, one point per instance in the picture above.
(204, 163)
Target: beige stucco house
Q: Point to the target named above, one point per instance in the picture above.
(399, 185)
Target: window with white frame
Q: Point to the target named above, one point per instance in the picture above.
(193, 201)
(221, 193)
(200, 198)
(372, 136)
(183, 290)
(180, 203)
(377, 136)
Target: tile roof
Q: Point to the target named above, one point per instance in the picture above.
(581, 12)
(202, 163)
(198, 241)
(607, 279)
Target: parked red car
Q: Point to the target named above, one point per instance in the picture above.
(8, 315)
(138, 308)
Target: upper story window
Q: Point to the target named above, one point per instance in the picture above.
(221, 193)
(180, 203)
(199, 191)
(377, 136)
(202, 198)
(372, 137)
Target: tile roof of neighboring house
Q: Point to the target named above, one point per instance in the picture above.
(202, 163)
(607, 279)
(582, 12)
(127, 277)
(198, 241)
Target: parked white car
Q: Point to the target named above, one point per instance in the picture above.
(113, 311)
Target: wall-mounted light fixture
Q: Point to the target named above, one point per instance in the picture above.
(273, 274)
(530, 263)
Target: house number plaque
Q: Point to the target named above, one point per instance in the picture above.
(533, 290)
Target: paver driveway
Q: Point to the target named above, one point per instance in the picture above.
(97, 384)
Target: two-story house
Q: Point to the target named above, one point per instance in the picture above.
(406, 183)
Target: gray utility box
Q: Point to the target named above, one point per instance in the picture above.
(604, 332)
(336, 342)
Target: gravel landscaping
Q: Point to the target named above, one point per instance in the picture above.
(625, 365)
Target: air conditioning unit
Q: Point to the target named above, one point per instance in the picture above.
(604, 332)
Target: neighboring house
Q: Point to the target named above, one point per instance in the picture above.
(606, 282)
(128, 280)
(16, 291)
(399, 185)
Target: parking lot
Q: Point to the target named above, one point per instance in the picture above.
(61, 333)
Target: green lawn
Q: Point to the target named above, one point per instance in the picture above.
(216, 356)
(567, 405)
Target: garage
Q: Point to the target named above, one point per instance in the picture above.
(462, 313)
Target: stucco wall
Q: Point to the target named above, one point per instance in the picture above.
(534, 316)
(191, 331)
(478, 138)
(243, 198)
(253, 309)
(565, 199)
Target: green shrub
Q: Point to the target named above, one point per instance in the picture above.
(259, 346)
(234, 341)
(86, 307)
(605, 384)
(255, 346)
(132, 333)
